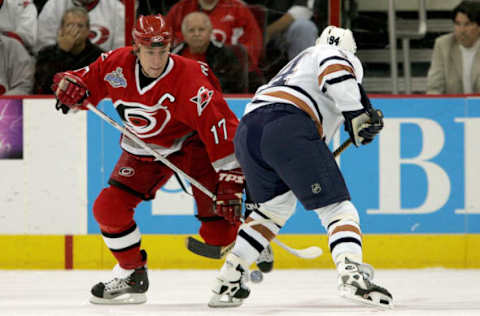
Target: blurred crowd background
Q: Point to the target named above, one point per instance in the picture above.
(408, 46)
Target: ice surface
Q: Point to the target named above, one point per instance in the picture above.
(282, 292)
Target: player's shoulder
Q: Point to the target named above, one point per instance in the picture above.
(121, 57)
(119, 54)
(190, 66)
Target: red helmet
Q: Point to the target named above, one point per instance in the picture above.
(152, 31)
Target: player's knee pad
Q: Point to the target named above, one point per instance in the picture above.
(279, 209)
(218, 232)
(341, 211)
(114, 207)
(343, 226)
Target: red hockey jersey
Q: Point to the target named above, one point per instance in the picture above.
(184, 100)
(232, 23)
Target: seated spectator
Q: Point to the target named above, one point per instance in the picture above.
(233, 24)
(73, 50)
(196, 31)
(107, 22)
(290, 29)
(455, 66)
(16, 68)
(18, 19)
(289, 25)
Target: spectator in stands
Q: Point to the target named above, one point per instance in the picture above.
(107, 22)
(232, 22)
(289, 24)
(16, 68)
(73, 50)
(18, 19)
(455, 67)
(230, 71)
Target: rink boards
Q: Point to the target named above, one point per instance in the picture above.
(416, 188)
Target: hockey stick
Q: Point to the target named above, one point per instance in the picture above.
(342, 147)
(153, 152)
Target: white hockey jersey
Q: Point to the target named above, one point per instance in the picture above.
(16, 68)
(20, 17)
(107, 23)
(322, 81)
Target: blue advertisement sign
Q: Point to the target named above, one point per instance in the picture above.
(421, 175)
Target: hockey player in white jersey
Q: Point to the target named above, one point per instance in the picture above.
(281, 144)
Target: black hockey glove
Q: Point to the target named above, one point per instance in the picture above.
(363, 126)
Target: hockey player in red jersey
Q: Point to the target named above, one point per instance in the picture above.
(175, 106)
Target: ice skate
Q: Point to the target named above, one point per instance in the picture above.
(229, 288)
(128, 287)
(354, 283)
(265, 260)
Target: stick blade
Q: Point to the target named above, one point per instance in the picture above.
(310, 252)
(205, 250)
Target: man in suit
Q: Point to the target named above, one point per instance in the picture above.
(455, 67)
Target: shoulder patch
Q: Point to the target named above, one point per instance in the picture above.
(116, 78)
(202, 99)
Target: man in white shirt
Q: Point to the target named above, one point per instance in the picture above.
(455, 67)
(107, 22)
(18, 19)
(16, 68)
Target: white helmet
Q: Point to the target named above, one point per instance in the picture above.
(338, 37)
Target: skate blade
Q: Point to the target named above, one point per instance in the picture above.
(129, 298)
(375, 298)
(224, 301)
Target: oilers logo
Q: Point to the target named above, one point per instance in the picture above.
(116, 78)
(144, 120)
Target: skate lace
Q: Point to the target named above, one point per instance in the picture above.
(266, 255)
(116, 284)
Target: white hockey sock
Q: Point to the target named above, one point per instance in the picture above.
(345, 239)
(251, 242)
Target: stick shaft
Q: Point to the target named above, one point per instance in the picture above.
(152, 151)
(342, 147)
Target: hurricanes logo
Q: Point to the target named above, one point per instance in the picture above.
(98, 34)
(202, 99)
(126, 172)
(145, 120)
(116, 78)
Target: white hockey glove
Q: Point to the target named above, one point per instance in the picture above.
(363, 126)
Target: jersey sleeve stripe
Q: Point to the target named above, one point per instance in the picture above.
(339, 79)
(334, 68)
(335, 58)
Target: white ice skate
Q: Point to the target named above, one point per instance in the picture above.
(354, 283)
(127, 287)
(229, 288)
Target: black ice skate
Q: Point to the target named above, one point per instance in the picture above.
(229, 289)
(123, 290)
(354, 283)
(265, 260)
